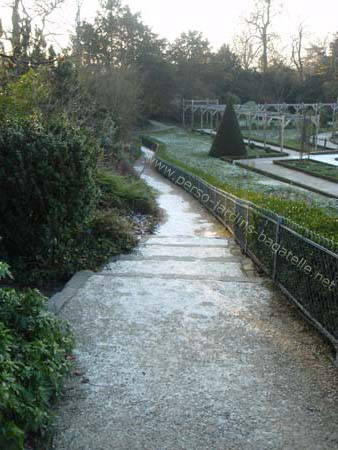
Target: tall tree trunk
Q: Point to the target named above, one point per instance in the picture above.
(265, 53)
(16, 30)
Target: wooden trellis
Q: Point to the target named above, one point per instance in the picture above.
(208, 113)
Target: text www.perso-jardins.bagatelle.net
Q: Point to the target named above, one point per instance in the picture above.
(238, 219)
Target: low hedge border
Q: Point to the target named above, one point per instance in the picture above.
(150, 142)
(268, 155)
(307, 172)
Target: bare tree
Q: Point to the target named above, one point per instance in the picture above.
(245, 48)
(27, 35)
(42, 10)
(260, 23)
(297, 57)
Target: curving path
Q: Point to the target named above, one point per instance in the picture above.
(180, 345)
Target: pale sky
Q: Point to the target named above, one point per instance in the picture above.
(217, 19)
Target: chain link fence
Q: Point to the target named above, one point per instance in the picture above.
(306, 271)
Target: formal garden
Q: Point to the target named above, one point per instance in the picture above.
(190, 151)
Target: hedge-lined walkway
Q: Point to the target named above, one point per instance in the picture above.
(180, 345)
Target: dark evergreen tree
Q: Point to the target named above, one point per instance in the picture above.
(229, 141)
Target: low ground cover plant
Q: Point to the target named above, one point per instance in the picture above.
(34, 346)
(128, 194)
(254, 152)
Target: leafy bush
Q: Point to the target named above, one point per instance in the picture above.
(53, 202)
(47, 186)
(53, 206)
(4, 270)
(107, 234)
(26, 97)
(33, 357)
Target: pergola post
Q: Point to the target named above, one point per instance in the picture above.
(265, 119)
(282, 132)
(250, 127)
(335, 109)
(183, 117)
(317, 130)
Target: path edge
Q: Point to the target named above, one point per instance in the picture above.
(57, 302)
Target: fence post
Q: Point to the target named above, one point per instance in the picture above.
(246, 229)
(274, 273)
(226, 209)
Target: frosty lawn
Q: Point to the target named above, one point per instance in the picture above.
(192, 149)
(302, 209)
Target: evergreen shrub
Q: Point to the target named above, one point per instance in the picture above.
(229, 141)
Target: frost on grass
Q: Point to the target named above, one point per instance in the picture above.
(193, 149)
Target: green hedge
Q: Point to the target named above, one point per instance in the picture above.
(58, 213)
(47, 186)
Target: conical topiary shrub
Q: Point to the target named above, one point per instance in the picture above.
(229, 141)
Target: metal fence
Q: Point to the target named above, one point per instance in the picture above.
(309, 277)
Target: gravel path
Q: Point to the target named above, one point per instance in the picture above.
(180, 345)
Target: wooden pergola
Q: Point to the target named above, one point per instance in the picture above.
(206, 114)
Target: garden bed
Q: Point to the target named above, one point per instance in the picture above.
(317, 169)
(256, 153)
